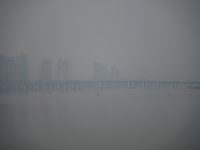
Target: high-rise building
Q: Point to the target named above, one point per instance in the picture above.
(22, 68)
(59, 69)
(97, 70)
(11, 68)
(115, 73)
(2, 68)
(63, 70)
(46, 70)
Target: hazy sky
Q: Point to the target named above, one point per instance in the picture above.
(152, 39)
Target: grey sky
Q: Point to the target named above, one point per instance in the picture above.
(156, 40)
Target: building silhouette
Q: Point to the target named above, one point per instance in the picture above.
(21, 68)
(63, 69)
(46, 70)
(115, 73)
(99, 72)
(59, 69)
(2, 68)
(97, 69)
(13, 70)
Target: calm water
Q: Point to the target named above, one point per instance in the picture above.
(125, 119)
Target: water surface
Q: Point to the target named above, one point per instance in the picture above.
(114, 120)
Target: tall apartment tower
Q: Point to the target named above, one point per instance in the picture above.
(59, 69)
(46, 70)
(2, 68)
(115, 73)
(11, 70)
(63, 69)
(97, 69)
(22, 68)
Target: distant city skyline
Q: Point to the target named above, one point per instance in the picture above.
(46, 70)
(63, 70)
(60, 71)
(148, 39)
(16, 69)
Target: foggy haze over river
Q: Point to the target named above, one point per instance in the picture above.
(116, 119)
(154, 40)
(146, 40)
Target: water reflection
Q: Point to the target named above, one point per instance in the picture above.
(14, 115)
(46, 113)
(112, 120)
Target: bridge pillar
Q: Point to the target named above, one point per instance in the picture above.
(147, 85)
(100, 85)
(105, 85)
(143, 85)
(158, 85)
(72, 85)
(17, 87)
(58, 85)
(78, 86)
(30, 87)
(129, 85)
(133, 85)
(175, 85)
(161, 85)
(188, 85)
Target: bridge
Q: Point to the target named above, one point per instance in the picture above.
(78, 85)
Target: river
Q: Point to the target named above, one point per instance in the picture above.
(101, 120)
